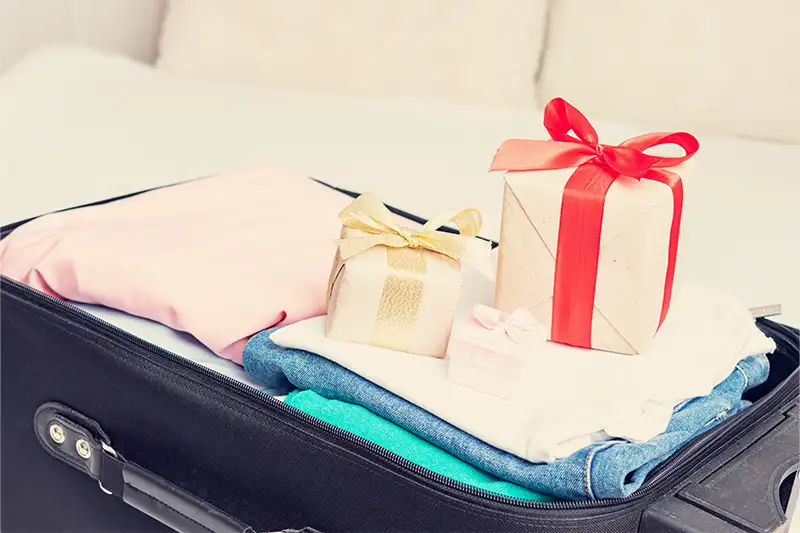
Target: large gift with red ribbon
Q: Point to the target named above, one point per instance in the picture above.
(590, 232)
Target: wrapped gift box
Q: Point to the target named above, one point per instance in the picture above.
(590, 232)
(398, 298)
(389, 287)
(488, 350)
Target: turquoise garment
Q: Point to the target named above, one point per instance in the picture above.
(368, 425)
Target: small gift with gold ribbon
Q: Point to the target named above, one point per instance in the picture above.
(398, 287)
(589, 237)
(488, 350)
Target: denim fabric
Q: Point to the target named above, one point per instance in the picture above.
(604, 470)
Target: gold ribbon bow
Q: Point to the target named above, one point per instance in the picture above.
(368, 215)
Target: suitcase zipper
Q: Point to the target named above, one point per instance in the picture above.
(690, 456)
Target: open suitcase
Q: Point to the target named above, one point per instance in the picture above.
(102, 431)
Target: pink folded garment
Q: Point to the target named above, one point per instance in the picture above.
(221, 258)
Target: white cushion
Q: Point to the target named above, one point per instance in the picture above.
(462, 51)
(710, 65)
(129, 27)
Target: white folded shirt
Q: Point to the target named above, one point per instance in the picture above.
(572, 396)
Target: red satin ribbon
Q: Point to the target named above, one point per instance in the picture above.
(582, 204)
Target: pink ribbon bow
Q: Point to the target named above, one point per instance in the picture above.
(518, 326)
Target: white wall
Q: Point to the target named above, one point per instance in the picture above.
(130, 27)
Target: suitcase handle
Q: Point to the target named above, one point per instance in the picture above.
(81, 443)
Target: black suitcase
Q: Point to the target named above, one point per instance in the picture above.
(102, 431)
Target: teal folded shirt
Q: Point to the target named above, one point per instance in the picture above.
(369, 426)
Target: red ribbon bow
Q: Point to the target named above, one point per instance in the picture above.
(598, 165)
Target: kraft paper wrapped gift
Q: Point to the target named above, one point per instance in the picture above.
(398, 287)
(488, 351)
(590, 232)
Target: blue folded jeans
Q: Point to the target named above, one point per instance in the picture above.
(610, 469)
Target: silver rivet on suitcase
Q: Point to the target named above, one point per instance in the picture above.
(57, 434)
(83, 448)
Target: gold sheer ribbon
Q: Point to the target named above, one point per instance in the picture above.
(368, 215)
(408, 270)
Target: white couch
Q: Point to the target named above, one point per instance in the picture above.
(78, 125)
(711, 66)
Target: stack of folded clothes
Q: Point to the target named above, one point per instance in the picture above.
(696, 379)
(591, 372)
